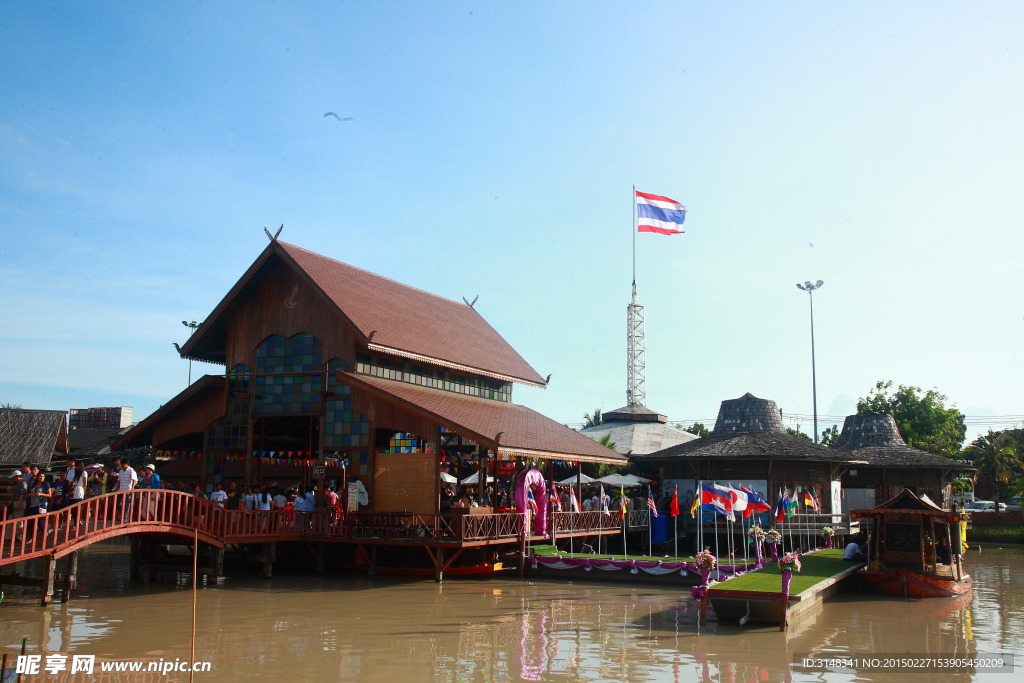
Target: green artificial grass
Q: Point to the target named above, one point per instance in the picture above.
(551, 551)
(817, 567)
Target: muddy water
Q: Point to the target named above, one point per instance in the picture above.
(340, 627)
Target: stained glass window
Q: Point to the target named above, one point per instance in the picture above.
(289, 375)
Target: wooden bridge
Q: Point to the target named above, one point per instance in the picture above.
(58, 534)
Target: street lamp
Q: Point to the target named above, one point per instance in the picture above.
(192, 326)
(809, 288)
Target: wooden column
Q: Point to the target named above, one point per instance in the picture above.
(49, 575)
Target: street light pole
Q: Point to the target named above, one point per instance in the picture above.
(192, 326)
(809, 288)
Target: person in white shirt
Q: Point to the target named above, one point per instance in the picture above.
(219, 495)
(127, 479)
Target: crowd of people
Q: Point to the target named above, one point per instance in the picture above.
(34, 492)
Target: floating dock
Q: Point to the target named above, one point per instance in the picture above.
(757, 596)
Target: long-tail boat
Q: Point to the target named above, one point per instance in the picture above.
(914, 549)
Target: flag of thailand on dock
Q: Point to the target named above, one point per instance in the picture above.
(662, 215)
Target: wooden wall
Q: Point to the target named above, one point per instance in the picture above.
(285, 304)
(191, 417)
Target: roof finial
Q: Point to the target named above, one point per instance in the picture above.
(470, 303)
(273, 238)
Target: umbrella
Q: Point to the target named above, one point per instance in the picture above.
(618, 480)
(639, 480)
(475, 479)
(447, 478)
(572, 480)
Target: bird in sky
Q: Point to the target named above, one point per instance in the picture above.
(331, 113)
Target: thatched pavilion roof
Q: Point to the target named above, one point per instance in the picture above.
(34, 436)
(875, 438)
(750, 427)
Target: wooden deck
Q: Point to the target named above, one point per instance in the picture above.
(746, 599)
(60, 533)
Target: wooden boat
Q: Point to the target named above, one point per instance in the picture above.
(915, 549)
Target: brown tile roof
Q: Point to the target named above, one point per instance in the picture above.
(523, 431)
(386, 315)
(142, 433)
(35, 436)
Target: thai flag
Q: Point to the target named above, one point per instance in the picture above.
(715, 498)
(556, 502)
(659, 214)
(531, 501)
(574, 502)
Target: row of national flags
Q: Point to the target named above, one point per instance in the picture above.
(789, 502)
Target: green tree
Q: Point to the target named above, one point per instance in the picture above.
(592, 420)
(10, 406)
(995, 456)
(830, 436)
(697, 428)
(922, 417)
(798, 434)
(606, 441)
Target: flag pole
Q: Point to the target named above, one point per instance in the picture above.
(633, 230)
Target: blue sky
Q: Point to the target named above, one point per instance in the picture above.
(492, 152)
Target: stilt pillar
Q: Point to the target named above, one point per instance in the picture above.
(217, 561)
(133, 557)
(49, 574)
(70, 578)
(269, 553)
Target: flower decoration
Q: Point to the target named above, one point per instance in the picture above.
(790, 562)
(756, 533)
(828, 532)
(773, 536)
(705, 560)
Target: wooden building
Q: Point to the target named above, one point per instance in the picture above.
(750, 446)
(327, 365)
(888, 465)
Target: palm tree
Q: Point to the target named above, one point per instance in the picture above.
(996, 458)
(592, 420)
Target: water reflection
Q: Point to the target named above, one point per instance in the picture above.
(339, 627)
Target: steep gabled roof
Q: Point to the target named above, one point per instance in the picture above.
(385, 316)
(34, 436)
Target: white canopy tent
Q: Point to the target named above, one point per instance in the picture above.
(448, 479)
(618, 480)
(475, 479)
(572, 480)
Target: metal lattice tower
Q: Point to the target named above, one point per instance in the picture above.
(636, 354)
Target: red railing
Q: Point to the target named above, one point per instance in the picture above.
(105, 516)
(143, 510)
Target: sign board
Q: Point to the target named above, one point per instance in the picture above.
(506, 469)
(319, 471)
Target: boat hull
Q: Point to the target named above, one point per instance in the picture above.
(911, 584)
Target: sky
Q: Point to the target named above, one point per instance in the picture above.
(492, 150)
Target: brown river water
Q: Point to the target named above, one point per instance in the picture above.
(341, 627)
